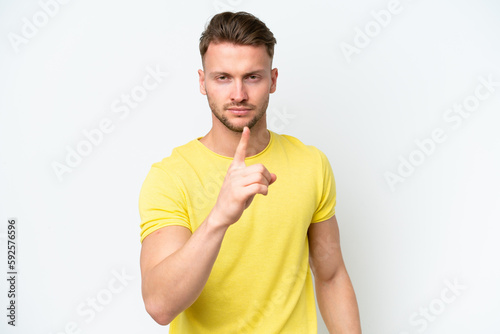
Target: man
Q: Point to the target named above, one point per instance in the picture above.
(217, 257)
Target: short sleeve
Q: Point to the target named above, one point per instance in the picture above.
(161, 202)
(328, 196)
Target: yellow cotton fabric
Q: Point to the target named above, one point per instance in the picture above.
(261, 281)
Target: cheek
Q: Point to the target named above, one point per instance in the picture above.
(262, 91)
(216, 91)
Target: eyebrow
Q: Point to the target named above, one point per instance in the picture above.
(213, 74)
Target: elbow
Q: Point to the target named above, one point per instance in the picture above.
(329, 275)
(159, 313)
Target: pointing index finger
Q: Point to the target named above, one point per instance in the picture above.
(241, 150)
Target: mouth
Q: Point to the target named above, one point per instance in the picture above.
(239, 111)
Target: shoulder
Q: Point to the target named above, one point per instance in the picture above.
(166, 175)
(178, 158)
(294, 145)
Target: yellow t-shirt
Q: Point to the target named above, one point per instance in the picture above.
(261, 280)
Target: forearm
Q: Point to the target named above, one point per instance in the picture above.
(176, 282)
(338, 305)
(178, 278)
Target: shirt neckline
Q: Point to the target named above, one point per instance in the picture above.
(206, 149)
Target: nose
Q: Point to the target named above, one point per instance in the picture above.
(238, 92)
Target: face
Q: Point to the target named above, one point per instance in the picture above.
(237, 80)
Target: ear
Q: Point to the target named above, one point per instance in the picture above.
(201, 75)
(274, 79)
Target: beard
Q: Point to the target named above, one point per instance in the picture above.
(219, 113)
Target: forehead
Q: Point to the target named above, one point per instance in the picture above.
(232, 57)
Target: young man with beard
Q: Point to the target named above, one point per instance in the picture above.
(228, 261)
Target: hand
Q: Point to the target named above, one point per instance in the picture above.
(240, 185)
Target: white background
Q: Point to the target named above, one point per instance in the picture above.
(401, 244)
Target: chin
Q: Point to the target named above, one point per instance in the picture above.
(236, 127)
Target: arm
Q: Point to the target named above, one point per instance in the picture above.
(336, 298)
(175, 264)
(175, 267)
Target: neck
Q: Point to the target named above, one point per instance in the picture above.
(223, 141)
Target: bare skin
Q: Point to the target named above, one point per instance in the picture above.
(170, 280)
(334, 291)
(237, 77)
(175, 263)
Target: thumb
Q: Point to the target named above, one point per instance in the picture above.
(273, 178)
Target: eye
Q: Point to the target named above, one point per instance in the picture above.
(253, 77)
(221, 78)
